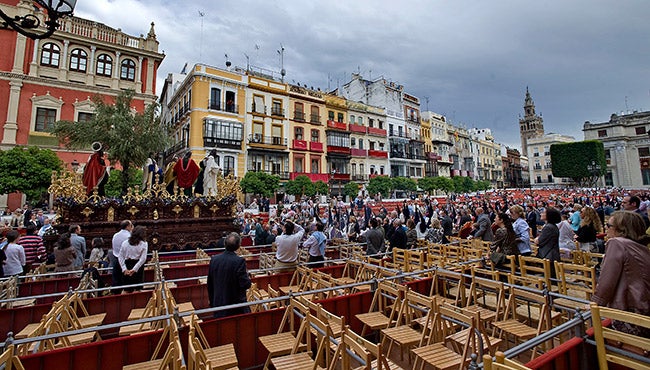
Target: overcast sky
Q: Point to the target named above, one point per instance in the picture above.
(581, 59)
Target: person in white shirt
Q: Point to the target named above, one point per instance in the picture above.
(287, 243)
(133, 255)
(125, 232)
(15, 255)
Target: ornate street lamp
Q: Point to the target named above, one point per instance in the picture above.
(23, 24)
(74, 165)
(594, 168)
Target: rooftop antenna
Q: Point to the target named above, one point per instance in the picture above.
(282, 70)
(426, 98)
(626, 107)
(329, 83)
(248, 62)
(201, 14)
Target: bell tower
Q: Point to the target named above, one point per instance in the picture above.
(531, 125)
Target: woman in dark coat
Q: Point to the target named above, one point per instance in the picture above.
(548, 241)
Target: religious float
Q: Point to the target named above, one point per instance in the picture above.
(174, 221)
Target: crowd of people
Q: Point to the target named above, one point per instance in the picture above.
(508, 220)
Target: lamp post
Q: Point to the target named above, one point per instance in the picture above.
(594, 168)
(24, 24)
(74, 165)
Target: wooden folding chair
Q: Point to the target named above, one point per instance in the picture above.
(283, 342)
(298, 358)
(610, 342)
(386, 307)
(489, 343)
(9, 360)
(523, 308)
(419, 310)
(449, 286)
(576, 281)
(536, 267)
(202, 356)
(356, 352)
(173, 356)
(437, 354)
(487, 297)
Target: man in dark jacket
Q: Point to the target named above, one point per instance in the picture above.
(398, 239)
(375, 238)
(228, 279)
(447, 226)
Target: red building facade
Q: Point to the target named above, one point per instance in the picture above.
(44, 81)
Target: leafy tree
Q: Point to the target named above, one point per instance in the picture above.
(482, 185)
(584, 161)
(127, 137)
(427, 184)
(259, 183)
(113, 187)
(27, 170)
(301, 185)
(380, 184)
(445, 184)
(351, 189)
(404, 183)
(320, 187)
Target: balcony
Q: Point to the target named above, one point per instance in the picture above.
(359, 177)
(257, 139)
(397, 154)
(548, 167)
(312, 176)
(315, 147)
(433, 156)
(358, 152)
(277, 111)
(537, 167)
(413, 119)
(299, 116)
(373, 175)
(419, 157)
(299, 144)
(377, 154)
(358, 128)
(332, 149)
(219, 142)
(377, 131)
(283, 175)
(314, 119)
(337, 125)
(340, 177)
(230, 108)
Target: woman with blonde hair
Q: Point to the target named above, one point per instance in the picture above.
(522, 230)
(589, 227)
(624, 282)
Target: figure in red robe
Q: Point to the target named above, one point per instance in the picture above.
(186, 171)
(95, 174)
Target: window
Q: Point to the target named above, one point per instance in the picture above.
(298, 164)
(276, 133)
(298, 133)
(340, 117)
(315, 165)
(315, 136)
(85, 117)
(371, 122)
(360, 143)
(640, 130)
(231, 107)
(362, 169)
(372, 145)
(381, 146)
(354, 169)
(228, 165)
(336, 139)
(353, 141)
(644, 152)
(352, 119)
(258, 104)
(127, 70)
(381, 124)
(104, 65)
(215, 98)
(315, 114)
(258, 132)
(45, 118)
(602, 133)
(330, 115)
(276, 108)
(223, 130)
(299, 112)
(50, 55)
(381, 170)
(78, 60)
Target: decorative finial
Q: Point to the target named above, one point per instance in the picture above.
(152, 33)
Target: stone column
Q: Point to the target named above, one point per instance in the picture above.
(11, 126)
(19, 54)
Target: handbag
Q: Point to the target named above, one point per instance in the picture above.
(498, 258)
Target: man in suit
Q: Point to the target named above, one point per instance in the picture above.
(483, 226)
(228, 279)
(398, 239)
(447, 225)
(78, 242)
